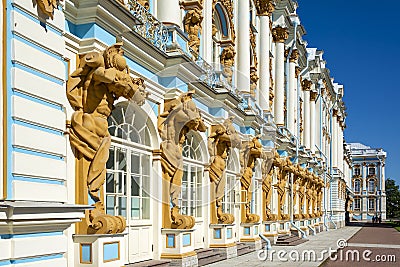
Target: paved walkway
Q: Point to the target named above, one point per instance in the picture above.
(297, 255)
(377, 245)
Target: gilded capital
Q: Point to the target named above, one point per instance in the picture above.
(313, 95)
(145, 4)
(280, 34)
(294, 56)
(297, 71)
(306, 85)
(264, 7)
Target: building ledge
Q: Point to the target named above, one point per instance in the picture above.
(30, 216)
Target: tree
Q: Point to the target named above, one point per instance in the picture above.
(392, 199)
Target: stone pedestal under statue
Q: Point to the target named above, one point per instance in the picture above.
(249, 234)
(222, 239)
(178, 246)
(99, 250)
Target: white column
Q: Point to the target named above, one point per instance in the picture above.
(280, 35)
(291, 98)
(307, 121)
(383, 178)
(318, 126)
(339, 130)
(169, 12)
(264, 63)
(334, 141)
(341, 150)
(207, 31)
(313, 96)
(243, 46)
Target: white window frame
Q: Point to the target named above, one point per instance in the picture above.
(359, 185)
(133, 141)
(192, 185)
(371, 200)
(357, 171)
(359, 201)
(371, 170)
(371, 190)
(144, 196)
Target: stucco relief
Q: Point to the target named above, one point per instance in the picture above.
(92, 88)
(268, 172)
(192, 24)
(264, 7)
(250, 152)
(227, 59)
(180, 116)
(222, 139)
(47, 6)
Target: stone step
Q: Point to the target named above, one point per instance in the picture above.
(286, 239)
(204, 253)
(291, 241)
(150, 263)
(243, 248)
(207, 256)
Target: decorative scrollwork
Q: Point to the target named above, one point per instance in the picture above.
(150, 28)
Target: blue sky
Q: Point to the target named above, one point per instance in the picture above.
(361, 43)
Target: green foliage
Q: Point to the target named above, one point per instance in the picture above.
(392, 199)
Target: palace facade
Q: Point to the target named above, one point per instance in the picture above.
(137, 130)
(368, 182)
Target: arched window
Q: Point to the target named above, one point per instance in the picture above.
(371, 204)
(129, 164)
(371, 186)
(190, 199)
(357, 204)
(221, 30)
(357, 186)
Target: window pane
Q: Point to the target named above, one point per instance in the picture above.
(110, 161)
(121, 160)
(184, 208)
(199, 209)
(184, 192)
(145, 164)
(110, 205)
(185, 174)
(122, 206)
(145, 186)
(135, 185)
(121, 186)
(199, 176)
(110, 188)
(135, 163)
(193, 211)
(135, 209)
(146, 208)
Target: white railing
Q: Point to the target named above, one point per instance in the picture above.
(149, 28)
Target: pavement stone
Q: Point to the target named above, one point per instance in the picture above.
(381, 243)
(318, 243)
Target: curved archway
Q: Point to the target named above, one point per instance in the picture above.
(129, 167)
(131, 123)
